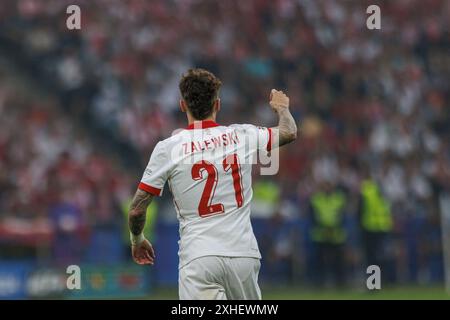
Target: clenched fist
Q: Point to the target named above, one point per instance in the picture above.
(278, 100)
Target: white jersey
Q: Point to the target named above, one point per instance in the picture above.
(208, 169)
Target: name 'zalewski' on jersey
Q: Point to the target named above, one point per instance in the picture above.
(208, 169)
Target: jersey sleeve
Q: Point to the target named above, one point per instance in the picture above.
(265, 138)
(157, 171)
(261, 138)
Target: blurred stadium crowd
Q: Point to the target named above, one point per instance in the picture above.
(370, 104)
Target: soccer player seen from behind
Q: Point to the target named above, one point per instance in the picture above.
(207, 167)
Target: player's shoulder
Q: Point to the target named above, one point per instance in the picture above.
(176, 137)
(249, 129)
(243, 126)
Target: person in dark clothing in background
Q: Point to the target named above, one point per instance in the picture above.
(327, 210)
(375, 222)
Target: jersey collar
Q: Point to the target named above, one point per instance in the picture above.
(202, 125)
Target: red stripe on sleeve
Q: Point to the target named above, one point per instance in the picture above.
(269, 143)
(152, 190)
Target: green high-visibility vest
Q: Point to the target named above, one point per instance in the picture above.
(328, 209)
(376, 212)
(266, 191)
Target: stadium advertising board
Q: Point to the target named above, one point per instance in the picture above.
(26, 281)
(125, 281)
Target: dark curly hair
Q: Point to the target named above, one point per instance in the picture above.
(199, 89)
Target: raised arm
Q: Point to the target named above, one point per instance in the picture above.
(141, 249)
(286, 131)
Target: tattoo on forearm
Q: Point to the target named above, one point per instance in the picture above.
(138, 209)
(287, 127)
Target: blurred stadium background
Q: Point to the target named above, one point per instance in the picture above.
(368, 182)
